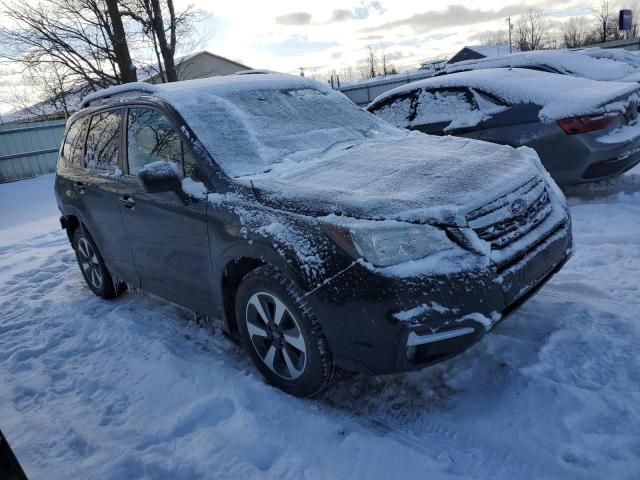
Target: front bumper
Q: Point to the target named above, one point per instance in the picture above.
(378, 324)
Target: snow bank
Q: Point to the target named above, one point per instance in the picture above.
(560, 96)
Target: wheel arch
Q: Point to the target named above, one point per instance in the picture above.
(232, 275)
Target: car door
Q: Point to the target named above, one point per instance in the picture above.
(510, 124)
(167, 230)
(96, 173)
(450, 111)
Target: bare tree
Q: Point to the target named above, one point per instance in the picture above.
(77, 36)
(574, 32)
(602, 16)
(118, 39)
(167, 30)
(635, 9)
(385, 70)
(498, 37)
(371, 62)
(532, 31)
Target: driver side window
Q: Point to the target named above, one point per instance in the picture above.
(151, 137)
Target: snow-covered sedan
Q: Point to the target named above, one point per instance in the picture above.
(593, 64)
(583, 130)
(320, 235)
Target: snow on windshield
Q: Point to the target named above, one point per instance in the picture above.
(249, 131)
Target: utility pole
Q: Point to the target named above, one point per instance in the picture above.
(509, 22)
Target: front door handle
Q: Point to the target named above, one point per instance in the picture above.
(127, 202)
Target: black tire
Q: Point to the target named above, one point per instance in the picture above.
(303, 374)
(92, 267)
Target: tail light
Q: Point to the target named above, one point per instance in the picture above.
(572, 126)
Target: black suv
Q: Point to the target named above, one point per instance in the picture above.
(321, 236)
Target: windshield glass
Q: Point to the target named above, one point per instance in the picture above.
(248, 132)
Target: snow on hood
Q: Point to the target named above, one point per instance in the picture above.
(563, 61)
(417, 178)
(560, 96)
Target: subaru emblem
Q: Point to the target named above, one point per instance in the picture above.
(518, 207)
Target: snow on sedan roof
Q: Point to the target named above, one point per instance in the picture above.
(560, 96)
(617, 54)
(562, 61)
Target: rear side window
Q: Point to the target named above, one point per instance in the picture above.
(398, 110)
(151, 137)
(443, 106)
(73, 145)
(103, 141)
(488, 104)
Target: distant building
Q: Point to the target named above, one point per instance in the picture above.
(202, 64)
(434, 65)
(475, 52)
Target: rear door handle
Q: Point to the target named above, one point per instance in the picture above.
(79, 187)
(127, 202)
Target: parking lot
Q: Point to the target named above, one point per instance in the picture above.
(135, 387)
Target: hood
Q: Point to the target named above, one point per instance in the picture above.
(418, 178)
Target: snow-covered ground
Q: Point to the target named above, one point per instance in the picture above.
(134, 388)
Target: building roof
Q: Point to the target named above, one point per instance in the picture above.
(496, 50)
(152, 71)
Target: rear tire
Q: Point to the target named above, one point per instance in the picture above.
(92, 266)
(281, 334)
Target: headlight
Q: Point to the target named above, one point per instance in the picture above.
(388, 243)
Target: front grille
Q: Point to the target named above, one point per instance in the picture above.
(512, 216)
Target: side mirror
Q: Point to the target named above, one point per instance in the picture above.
(161, 176)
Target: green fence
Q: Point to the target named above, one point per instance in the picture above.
(29, 149)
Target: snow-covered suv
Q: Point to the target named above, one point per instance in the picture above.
(320, 235)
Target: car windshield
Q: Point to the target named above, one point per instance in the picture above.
(248, 132)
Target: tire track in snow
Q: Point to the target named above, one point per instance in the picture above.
(459, 452)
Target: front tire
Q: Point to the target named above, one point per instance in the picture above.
(92, 265)
(281, 334)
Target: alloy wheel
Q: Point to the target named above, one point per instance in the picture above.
(90, 263)
(276, 335)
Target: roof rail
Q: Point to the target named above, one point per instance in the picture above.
(116, 90)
